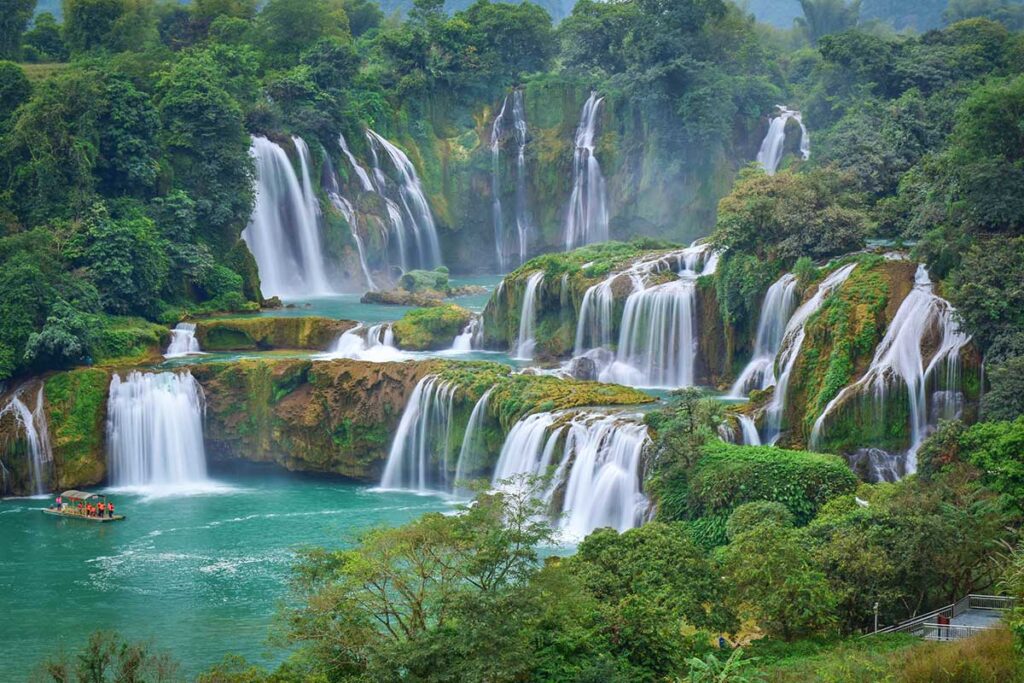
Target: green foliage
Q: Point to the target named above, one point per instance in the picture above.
(824, 17)
(745, 517)
(650, 581)
(287, 28)
(1005, 398)
(774, 579)
(995, 449)
(76, 404)
(65, 339)
(423, 329)
(786, 216)
(14, 88)
(14, 17)
(988, 297)
(44, 42)
(729, 475)
(425, 280)
(124, 259)
(108, 656)
(89, 24)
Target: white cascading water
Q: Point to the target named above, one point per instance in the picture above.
(658, 336)
(526, 341)
(792, 341)
(183, 341)
(155, 431)
(375, 344)
(345, 208)
(418, 460)
(416, 209)
(524, 221)
(900, 363)
(748, 430)
(586, 220)
(779, 303)
(357, 168)
(773, 145)
(284, 230)
(33, 424)
(497, 134)
(471, 337)
(473, 449)
(598, 468)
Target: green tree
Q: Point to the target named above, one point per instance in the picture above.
(108, 656)
(15, 89)
(287, 28)
(775, 579)
(1005, 398)
(206, 143)
(89, 24)
(65, 339)
(124, 258)
(14, 17)
(824, 17)
(46, 40)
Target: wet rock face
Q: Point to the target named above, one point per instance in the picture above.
(332, 417)
(266, 333)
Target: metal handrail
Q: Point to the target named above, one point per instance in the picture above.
(953, 610)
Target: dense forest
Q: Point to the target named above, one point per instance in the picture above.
(140, 141)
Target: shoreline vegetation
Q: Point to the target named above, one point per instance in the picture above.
(755, 366)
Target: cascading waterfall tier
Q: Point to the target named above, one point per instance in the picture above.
(343, 206)
(183, 341)
(526, 341)
(419, 455)
(779, 304)
(473, 452)
(507, 252)
(773, 145)
(407, 205)
(155, 431)
(597, 460)
(658, 336)
(748, 430)
(375, 344)
(471, 338)
(922, 342)
(284, 232)
(33, 425)
(792, 342)
(586, 220)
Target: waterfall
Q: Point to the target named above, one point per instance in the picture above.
(416, 209)
(284, 230)
(524, 222)
(375, 344)
(473, 448)
(497, 131)
(155, 430)
(183, 341)
(658, 337)
(32, 422)
(471, 337)
(792, 341)
(345, 208)
(779, 303)
(526, 340)
(773, 145)
(357, 168)
(598, 474)
(749, 430)
(418, 459)
(900, 363)
(587, 217)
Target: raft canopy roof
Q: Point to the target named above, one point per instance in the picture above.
(80, 495)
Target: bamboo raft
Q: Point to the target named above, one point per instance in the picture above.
(70, 509)
(86, 518)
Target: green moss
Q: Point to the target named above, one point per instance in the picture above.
(433, 328)
(76, 405)
(127, 341)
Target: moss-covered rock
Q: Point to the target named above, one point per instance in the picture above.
(76, 407)
(128, 341)
(267, 333)
(430, 329)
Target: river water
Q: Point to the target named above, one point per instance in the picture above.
(201, 575)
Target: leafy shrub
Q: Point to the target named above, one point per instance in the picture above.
(729, 475)
(747, 516)
(422, 329)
